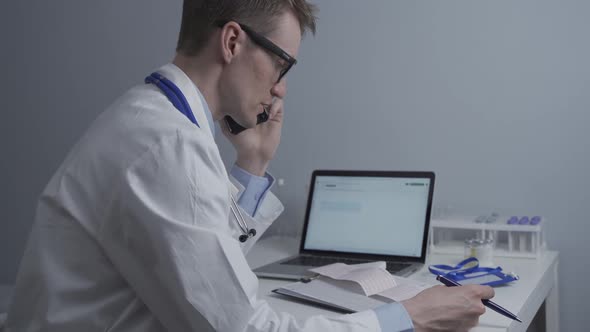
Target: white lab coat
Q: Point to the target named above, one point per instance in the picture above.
(134, 233)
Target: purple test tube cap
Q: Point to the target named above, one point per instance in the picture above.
(513, 220)
(524, 220)
(535, 220)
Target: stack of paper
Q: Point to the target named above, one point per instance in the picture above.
(369, 278)
(354, 288)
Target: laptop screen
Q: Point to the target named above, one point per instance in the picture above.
(368, 215)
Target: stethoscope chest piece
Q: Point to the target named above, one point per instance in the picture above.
(246, 232)
(251, 233)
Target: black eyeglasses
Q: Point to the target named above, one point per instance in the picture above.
(266, 44)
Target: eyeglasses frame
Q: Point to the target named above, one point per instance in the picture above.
(267, 44)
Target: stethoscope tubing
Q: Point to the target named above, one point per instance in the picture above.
(177, 98)
(174, 94)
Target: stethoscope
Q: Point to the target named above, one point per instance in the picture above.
(179, 101)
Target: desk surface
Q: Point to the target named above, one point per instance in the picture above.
(524, 297)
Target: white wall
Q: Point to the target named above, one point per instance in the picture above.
(492, 96)
(63, 63)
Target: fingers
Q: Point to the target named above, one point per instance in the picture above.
(479, 292)
(276, 109)
(479, 308)
(483, 292)
(488, 292)
(442, 308)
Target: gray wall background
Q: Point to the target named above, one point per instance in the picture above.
(493, 96)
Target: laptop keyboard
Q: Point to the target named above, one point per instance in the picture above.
(392, 267)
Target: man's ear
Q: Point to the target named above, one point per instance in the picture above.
(232, 39)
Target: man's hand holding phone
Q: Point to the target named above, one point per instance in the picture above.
(257, 146)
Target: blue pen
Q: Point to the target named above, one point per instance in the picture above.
(492, 305)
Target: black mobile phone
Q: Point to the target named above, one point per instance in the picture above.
(235, 128)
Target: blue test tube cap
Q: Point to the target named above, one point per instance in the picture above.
(535, 220)
(524, 220)
(513, 220)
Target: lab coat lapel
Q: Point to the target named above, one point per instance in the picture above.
(188, 88)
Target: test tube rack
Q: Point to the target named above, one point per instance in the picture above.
(447, 236)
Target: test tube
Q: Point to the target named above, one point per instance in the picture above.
(522, 241)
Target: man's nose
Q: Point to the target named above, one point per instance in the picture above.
(279, 90)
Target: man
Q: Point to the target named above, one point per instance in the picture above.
(138, 230)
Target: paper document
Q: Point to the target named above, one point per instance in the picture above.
(371, 277)
(354, 288)
(405, 289)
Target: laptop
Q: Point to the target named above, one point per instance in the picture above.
(362, 216)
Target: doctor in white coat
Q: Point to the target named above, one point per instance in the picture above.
(138, 230)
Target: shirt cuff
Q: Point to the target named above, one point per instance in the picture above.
(394, 317)
(255, 188)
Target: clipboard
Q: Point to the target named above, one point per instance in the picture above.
(329, 294)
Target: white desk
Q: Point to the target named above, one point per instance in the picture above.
(537, 284)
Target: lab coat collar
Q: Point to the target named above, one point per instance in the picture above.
(192, 94)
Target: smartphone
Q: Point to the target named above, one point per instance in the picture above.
(235, 128)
